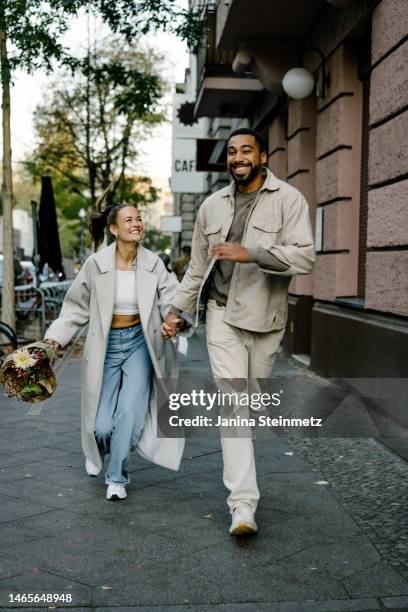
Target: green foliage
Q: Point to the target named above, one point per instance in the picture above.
(90, 126)
(156, 241)
(35, 27)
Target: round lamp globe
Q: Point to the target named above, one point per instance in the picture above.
(298, 83)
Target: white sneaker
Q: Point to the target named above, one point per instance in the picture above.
(116, 491)
(243, 521)
(91, 468)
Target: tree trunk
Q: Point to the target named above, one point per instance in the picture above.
(7, 303)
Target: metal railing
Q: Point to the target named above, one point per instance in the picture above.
(44, 302)
(210, 60)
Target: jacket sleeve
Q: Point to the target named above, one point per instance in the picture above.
(167, 286)
(186, 296)
(74, 311)
(297, 251)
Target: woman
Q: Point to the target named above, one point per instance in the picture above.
(123, 292)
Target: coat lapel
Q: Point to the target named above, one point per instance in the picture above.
(146, 283)
(105, 293)
(105, 285)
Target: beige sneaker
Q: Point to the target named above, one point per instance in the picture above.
(243, 521)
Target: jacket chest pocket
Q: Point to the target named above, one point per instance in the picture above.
(213, 234)
(266, 233)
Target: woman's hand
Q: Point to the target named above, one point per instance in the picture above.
(171, 325)
(53, 343)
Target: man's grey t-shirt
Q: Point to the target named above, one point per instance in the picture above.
(221, 279)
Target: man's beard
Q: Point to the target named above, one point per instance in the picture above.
(244, 181)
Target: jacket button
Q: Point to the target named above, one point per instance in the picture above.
(93, 332)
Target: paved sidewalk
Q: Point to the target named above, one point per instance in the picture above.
(332, 519)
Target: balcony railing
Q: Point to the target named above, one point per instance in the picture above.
(210, 60)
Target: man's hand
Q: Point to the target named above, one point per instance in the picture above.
(170, 326)
(231, 251)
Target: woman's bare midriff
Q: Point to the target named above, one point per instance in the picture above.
(119, 321)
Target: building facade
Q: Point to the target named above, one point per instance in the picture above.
(344, 148)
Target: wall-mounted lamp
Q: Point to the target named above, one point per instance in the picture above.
(298, 82)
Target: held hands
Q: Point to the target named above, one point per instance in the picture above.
(231, 251)
(171, 325)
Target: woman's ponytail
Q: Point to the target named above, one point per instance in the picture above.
(97, 226)
(99, 217)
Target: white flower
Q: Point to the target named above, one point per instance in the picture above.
(23, 360)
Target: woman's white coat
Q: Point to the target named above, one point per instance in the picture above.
(90, 300)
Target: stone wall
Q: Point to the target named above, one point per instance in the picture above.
(387, 235)
(338, 155)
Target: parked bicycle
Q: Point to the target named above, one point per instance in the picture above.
(8, 340)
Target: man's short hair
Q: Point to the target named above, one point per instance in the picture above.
(258, 137)
(186, 249)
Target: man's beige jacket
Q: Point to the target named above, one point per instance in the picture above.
(277, 221)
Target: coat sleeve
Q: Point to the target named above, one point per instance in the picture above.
(74, 311)
(297, 250)
(186, 297)
(167, 286)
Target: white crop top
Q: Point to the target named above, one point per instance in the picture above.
(125, 294)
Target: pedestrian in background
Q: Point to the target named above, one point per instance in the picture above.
(180, 265)
(122, 292)
(249, 239)
(167, 262)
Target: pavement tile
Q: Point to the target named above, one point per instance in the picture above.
(192, 483)
(39, 607)
(58, 557)
(331, 530)
(12, 508)
(27, 470)
(54, 521)
(53, 495)
(141, 498)
(10, 567)
(219, 574)
(378, 580)
(55, 473)
(356, 605)
(36, 454)
(13, 534)
(159, 586)
(395, 603)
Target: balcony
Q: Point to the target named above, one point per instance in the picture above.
(242, 22)
(220, 91)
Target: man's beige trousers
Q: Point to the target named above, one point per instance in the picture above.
(239, 354)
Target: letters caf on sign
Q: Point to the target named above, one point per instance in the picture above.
(184, 178)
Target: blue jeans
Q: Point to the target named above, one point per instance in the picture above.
(124, 399)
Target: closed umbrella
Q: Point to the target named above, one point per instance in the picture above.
(49, 247)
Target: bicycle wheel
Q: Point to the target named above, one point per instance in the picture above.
(8, 342)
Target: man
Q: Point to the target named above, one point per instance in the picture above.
(180, 265)
(249, 239)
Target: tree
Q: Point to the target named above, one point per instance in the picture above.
(90, 126)
(30, 38)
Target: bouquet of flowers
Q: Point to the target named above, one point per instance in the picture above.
(27, 373)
